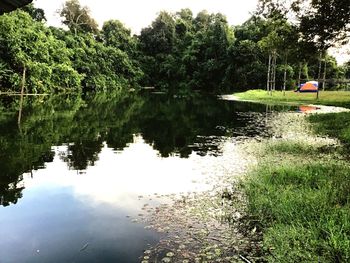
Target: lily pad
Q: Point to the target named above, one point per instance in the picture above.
(166, 260)
(170, 254)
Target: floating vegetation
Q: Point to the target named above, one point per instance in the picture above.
(214, 225)
(203, 227)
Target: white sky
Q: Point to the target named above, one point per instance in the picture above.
(138, 14)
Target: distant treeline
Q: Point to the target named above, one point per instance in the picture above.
(176, 52)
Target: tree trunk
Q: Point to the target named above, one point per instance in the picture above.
(285, 76)
(22, 91)
(324, 74)
(299, 75)
(274, 71)
(268, 74)
(319, 69)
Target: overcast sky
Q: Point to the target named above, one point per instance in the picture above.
(137, 14)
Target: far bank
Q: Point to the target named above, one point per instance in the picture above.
(330, 98)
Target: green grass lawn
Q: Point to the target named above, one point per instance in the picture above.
(336, 125)
(302, 203)
(299, 193)
(335, 98)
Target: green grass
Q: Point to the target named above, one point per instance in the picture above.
(300, 192)
(333, 98)
(333, 124)
(302, 203)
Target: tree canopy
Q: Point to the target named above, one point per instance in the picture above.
(177, 52)
(322, 21)
(78, 17)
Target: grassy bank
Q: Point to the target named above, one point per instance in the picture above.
(299, 196)
(333, 124)
(335, 98)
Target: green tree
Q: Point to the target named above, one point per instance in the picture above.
(115, 34)
(77, 17)
(25, 43)
(327, 22)
(102, 67)
(182, 52)
(324, 22)
(209, 51)
(38, 14)
(247, 68)
(157, 45)
(347, 70)
(159, 38)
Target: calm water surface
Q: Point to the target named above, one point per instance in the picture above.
(75, 170)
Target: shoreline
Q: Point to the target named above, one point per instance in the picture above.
(328, 98)
(320, 108)
(199, 226)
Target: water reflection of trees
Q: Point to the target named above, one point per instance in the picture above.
(171, 125)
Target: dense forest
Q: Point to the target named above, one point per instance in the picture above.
(177, 52)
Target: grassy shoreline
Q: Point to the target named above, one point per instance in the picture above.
(302, 206)
(333, 124)
(299, 193)
(329, 98)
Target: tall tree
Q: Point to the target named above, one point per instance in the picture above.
(115, 34)
(325, 22)
(77, 17)
(38, 14)
(160, 36)
(103, 67)
(209, 52)
(157, 44)
(25, 43)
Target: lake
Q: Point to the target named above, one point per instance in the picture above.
(75, 171)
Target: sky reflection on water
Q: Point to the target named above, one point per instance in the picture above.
(63, 209)
(74, 200)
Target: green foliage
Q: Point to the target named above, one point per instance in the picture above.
(248, 69)
(178, 53)
(326, 21)
(259, 37)
(65, 76)
(25, 43)
(37, 14)
(182, 51)
(78, 18)
(115, 34)
(103, 67)
(59, 60)
(320, 21)
(160, 36)
(347, 70)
